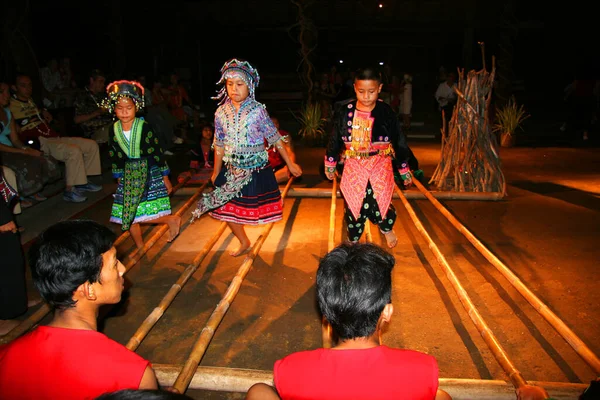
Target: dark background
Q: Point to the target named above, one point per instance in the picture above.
(548, 44)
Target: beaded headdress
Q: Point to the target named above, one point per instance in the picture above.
(235, 68)
(118, 89)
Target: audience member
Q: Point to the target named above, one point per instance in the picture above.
(282, 173)
(446, 96)
(33, 170)
(90, 115)
(13, 295)
(354, 290)
(81, 156)
(51, 82)
(76, 270)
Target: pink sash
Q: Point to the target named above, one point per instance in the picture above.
(358, 172)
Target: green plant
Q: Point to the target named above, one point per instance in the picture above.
(509, 118)
(311, 123)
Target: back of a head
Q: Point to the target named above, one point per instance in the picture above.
(133, 394)
(354, 284)
(67, 255)
(368, 74)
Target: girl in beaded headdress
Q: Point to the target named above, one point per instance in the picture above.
(138, 163)
(246, 190)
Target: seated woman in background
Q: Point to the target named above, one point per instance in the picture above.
(33, 170)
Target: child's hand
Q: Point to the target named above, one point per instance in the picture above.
(168, 185)
(295, 169)
(406, 175)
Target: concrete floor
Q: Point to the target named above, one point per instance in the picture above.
(546, 230)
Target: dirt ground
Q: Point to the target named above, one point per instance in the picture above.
(546, 230)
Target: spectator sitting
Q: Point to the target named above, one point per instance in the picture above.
(203, 156)
(354, 287)
(282, 173)
(93, 119)
(33, 170)
(76, 270)
(13, 295)
(51, 82)
(81, 156)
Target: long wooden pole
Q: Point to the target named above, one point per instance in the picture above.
(135, 256)
(239, 380)
(331, 242)
(486, 333)
(410, 194)
(125, 235)
(158, 312)
(325, 326)
(578, 345)
(187, 371)
(131, 261)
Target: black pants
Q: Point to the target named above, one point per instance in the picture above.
(13, 295)
(369, 210)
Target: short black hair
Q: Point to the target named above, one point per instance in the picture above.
(96, 73)
(368, 74)
(65, 256)
(20, 75)
(354, 284)
(142, 394)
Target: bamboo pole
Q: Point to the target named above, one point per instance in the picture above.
(325, 326)
(158, 312)
(187, 371)
(331, 242)
(578, 345)
(125, 235)
(132, 260)
(409, 194)
(486, 333)
(239, 380)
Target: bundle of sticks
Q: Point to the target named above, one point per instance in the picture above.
(469, 158)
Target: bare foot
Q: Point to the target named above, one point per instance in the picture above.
(7, 325)
(391, 239)
(242, 249)
(174, 226)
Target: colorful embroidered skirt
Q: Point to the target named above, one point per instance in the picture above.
(154, 202)
(259, 203)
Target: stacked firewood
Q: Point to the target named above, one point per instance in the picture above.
(469, 157)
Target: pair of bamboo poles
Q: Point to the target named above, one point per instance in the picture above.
(488, 336)
(188, 370)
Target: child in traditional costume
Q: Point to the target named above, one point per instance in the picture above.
(246, 191)
(143, 189)
(368, 135)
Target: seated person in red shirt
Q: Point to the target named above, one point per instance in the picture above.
(354, 293)
(76, 270)
(203, 156)
(282, 173)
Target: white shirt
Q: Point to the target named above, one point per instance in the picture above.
(127, 134)
(444, 94)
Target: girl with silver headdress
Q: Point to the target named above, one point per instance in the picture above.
(138, 163)
(246, 191)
